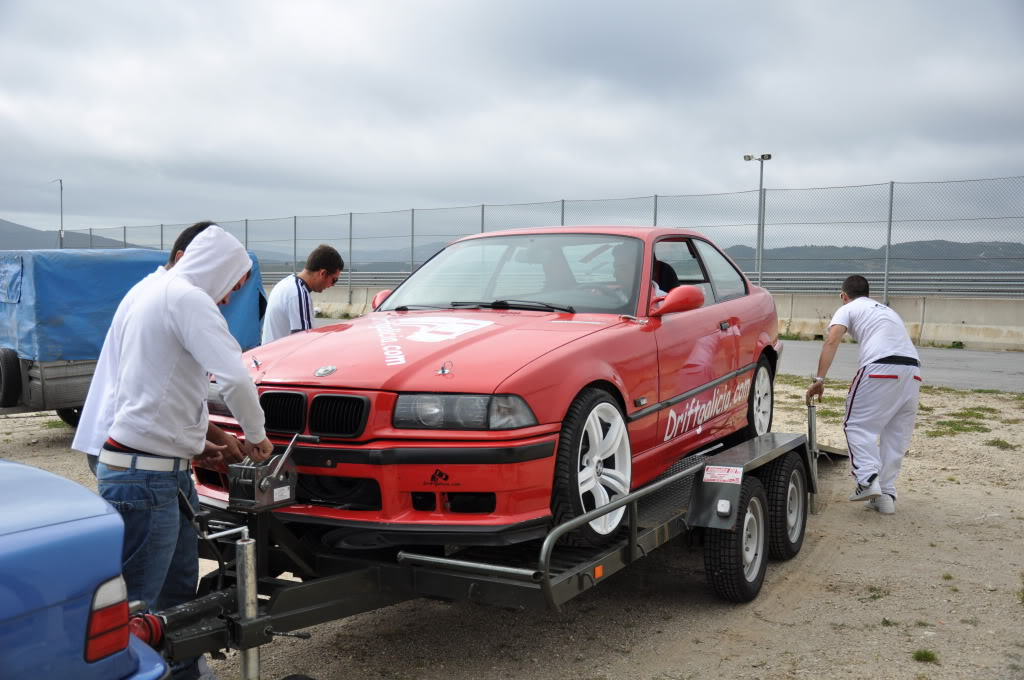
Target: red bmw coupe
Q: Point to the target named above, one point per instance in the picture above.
(515, 380)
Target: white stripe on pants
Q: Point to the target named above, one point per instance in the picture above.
(881, 408)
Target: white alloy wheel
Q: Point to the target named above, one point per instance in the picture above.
(796, 496)
(605, 467)
(753, 539)
(762, 401)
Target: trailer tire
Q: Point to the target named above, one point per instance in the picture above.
(786, 482)
(735, 559)
(10, 378)
(70, 416)
(296, 677)
(593, 410)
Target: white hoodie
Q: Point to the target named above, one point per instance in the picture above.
(168, 340)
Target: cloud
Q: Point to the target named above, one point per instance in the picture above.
(170, 112)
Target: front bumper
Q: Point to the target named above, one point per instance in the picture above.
(427, 493)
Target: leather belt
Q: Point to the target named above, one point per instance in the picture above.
(141, 462)
(896, 360)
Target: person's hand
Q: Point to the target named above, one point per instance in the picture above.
(212, 457)
(816, 389)
(232, 452)
(259, 451)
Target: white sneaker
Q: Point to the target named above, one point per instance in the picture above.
(884, 504)
(868, 492)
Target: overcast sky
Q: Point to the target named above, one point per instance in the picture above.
(171, 111)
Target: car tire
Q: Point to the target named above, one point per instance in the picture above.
(70, 416)
(786, 482)
(10, 378)
(735, 559)
(760, 401)
(587, 477)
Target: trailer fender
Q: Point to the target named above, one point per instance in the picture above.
(716, 489)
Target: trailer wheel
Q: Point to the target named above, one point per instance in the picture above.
(787, 505)
(296, 677)
(10, 378)
(71, 416)
(735, 559)
(594, 466)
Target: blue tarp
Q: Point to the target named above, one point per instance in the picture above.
(57, 304)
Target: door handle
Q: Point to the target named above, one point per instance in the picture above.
(723, 325)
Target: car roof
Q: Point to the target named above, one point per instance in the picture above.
(643, 232)
(34, 498)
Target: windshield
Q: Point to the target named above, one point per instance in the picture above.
(587, 272)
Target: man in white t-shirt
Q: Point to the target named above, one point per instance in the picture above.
(881, 407)
(289, 307)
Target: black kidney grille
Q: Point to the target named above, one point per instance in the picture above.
(338, 416)
(284, 411)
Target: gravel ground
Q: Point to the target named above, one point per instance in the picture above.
(945, 574)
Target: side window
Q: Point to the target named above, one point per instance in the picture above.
(727, 281)
(676, 265)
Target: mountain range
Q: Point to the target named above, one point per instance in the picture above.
(929, 255)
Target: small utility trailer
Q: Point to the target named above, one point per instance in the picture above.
(742, 504)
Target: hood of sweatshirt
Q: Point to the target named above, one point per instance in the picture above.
(213, 262)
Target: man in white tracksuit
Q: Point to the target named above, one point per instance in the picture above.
(165, 343)
(289, 307)
(881, 406)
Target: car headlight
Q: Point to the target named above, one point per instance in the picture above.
(214, 401)
(462, 412)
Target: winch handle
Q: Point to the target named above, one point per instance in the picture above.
(312, 439)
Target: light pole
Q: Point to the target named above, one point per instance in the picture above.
(61, 237)
(760, 212)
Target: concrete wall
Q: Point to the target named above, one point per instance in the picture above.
(976, 323)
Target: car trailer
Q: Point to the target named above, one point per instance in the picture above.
(743, 503)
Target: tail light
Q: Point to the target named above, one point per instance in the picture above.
(108, 621)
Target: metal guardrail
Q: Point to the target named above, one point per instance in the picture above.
(951, 284)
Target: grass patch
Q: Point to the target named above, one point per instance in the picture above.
(887, 622)
(952, 427)
(978, 412)
(926, 656)
(947, 576)
(54, 424)
(922, 624)
(1002, 444)
(983, 391)
(805, 381)
(1012, 421)
(925, 409)
(939, 388)
(1020, 593)
(954, 589)
(790, 336)
(876, 593)
(828, 413)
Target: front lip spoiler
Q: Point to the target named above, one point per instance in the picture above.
(357, 535)
(323, 457)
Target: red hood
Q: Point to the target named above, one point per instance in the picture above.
(469, 351)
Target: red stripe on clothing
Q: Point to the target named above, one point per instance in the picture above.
(918, 378)
(879, 375)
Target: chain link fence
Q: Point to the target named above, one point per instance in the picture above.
(951, 238)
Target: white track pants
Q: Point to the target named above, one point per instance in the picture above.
(881, 408)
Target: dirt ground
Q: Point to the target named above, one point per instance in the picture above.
(945, 574)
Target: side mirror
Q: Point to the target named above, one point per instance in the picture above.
(379, 298)
(679, 299)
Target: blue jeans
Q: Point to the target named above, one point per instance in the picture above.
(160, 557)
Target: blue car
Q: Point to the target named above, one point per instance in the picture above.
(63, 603)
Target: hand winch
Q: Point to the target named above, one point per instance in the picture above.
(253, 487)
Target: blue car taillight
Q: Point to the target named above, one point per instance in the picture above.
(108, 620)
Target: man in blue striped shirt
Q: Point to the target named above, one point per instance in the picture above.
(289, 308)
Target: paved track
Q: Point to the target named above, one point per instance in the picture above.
(960, 368)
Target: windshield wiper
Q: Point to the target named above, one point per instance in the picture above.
(517, 304)
(409, 308)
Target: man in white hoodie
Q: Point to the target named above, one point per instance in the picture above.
(98, 411)
(166, 342)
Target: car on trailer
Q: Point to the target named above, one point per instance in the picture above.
(64, 610)
(515, 381)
